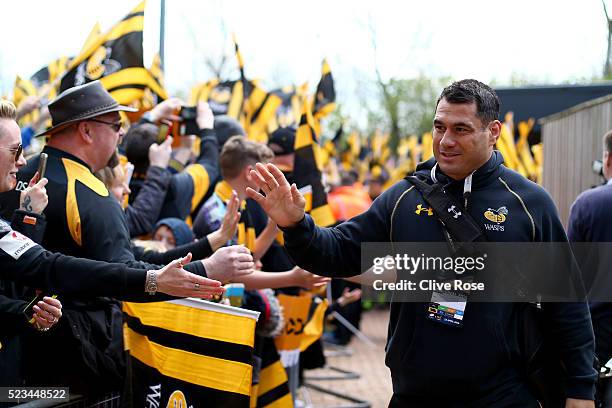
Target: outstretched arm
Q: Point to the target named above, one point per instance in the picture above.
(334, 252)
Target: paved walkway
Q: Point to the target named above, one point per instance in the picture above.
(374, 385)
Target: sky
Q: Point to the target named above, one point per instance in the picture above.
(284, 41)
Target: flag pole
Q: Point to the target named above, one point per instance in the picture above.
(162, 26)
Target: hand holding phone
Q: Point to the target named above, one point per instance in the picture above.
(188, 115)
(34, 198)
(49, 313)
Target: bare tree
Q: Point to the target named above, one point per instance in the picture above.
(407, 104)
(217, 65)
(391, 103)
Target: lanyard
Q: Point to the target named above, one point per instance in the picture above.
(467, 185)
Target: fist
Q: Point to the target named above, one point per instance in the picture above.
(34, 198)
(159, 154)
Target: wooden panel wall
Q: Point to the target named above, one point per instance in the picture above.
(572, 139)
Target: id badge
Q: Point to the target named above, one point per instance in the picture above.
(447, 307)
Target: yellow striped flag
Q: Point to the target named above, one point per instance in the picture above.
(116, 59)
(273, 388)
(151, 97)
(288, 112)
(94, 35)
(426, 146)
(189, 352)
(307, 170)
(228, 98)
(325, 96)
(258, 110)
(22, 89)
(238, 56)
(538, 157)
(258, 105)
(505, 144)
(49, 74)
(157, 75)
(524, 152)
(224, 97)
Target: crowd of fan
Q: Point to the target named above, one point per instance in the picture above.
(177, 197)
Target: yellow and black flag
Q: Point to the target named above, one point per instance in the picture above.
(224, 97)
(47, 79)
(22, 89)
(116, 59)
(151, 97)
(325, 96)
(288, 112)
(258, 109)
(272, 391)
(158, 92)
(94, 35)
(50, 73)
(189, 352)
(258, 105)
(227, 98)
(307, 170)
(239, 59)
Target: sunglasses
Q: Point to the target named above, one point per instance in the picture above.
(17, 150)
(114, 125)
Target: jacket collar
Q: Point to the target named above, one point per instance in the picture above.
(224, 192)
(52, 151)
(483, 176)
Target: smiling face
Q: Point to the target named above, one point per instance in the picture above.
(461, 142)
(10, 139)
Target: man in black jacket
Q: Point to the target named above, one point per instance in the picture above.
(433, 364)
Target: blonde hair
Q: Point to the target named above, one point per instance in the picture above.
(108, 175)
(7, 110)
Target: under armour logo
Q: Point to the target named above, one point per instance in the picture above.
(420, 209)
(456, 213)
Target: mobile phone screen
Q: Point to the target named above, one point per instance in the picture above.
(42, 165)
(162, 134)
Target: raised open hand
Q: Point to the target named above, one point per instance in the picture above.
(282, 202)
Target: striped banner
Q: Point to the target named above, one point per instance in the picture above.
(116, 59)
(189, 352)
(307, 170)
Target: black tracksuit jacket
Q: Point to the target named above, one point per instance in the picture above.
(478, 363)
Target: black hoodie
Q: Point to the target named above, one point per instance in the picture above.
(477, 364)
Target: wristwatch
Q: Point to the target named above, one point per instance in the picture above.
(151, 283)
